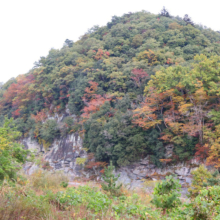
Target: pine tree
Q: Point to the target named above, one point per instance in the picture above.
(68, 43)
(111, 181)
(165, 13)
(166, 194)
(188, 20)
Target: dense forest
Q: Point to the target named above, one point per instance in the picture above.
(134, 86)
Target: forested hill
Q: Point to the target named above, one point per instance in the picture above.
(137, 85)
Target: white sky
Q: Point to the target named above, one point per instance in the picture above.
(30, 28)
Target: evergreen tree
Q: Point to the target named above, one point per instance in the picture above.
(111, 181)
(188, 20)
(68, 43)
(166, 194)
(164, 12)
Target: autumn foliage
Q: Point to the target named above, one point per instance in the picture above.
(179, 101)
(92, 100)
(40, 116)
(130, 89)
(19, 94)
(138, 76)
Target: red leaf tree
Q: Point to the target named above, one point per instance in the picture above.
(139, 76)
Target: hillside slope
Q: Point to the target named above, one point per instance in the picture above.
(133, 87)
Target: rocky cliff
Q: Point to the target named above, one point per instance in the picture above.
(63, 154)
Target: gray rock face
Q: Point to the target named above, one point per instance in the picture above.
(31, 145)
(169, 150)
(135, 175)
(61, 155)
(63, 152)
(30, 168)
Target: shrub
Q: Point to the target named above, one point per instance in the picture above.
(64, 184)
(92, 198)
(200, 177)
(46, 165)
(80, 161)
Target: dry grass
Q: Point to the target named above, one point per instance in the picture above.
(41, 180)
(20, 206)
(24, 200)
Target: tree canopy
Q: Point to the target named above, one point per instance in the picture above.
(134, 86)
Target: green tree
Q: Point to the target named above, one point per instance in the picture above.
(68, 43)
(111, 181)
(206, 204)
(12, 154)
(166, 194)
(49, 131)
(164, 12)
(188, 20)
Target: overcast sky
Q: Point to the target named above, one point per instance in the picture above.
(30, 28)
